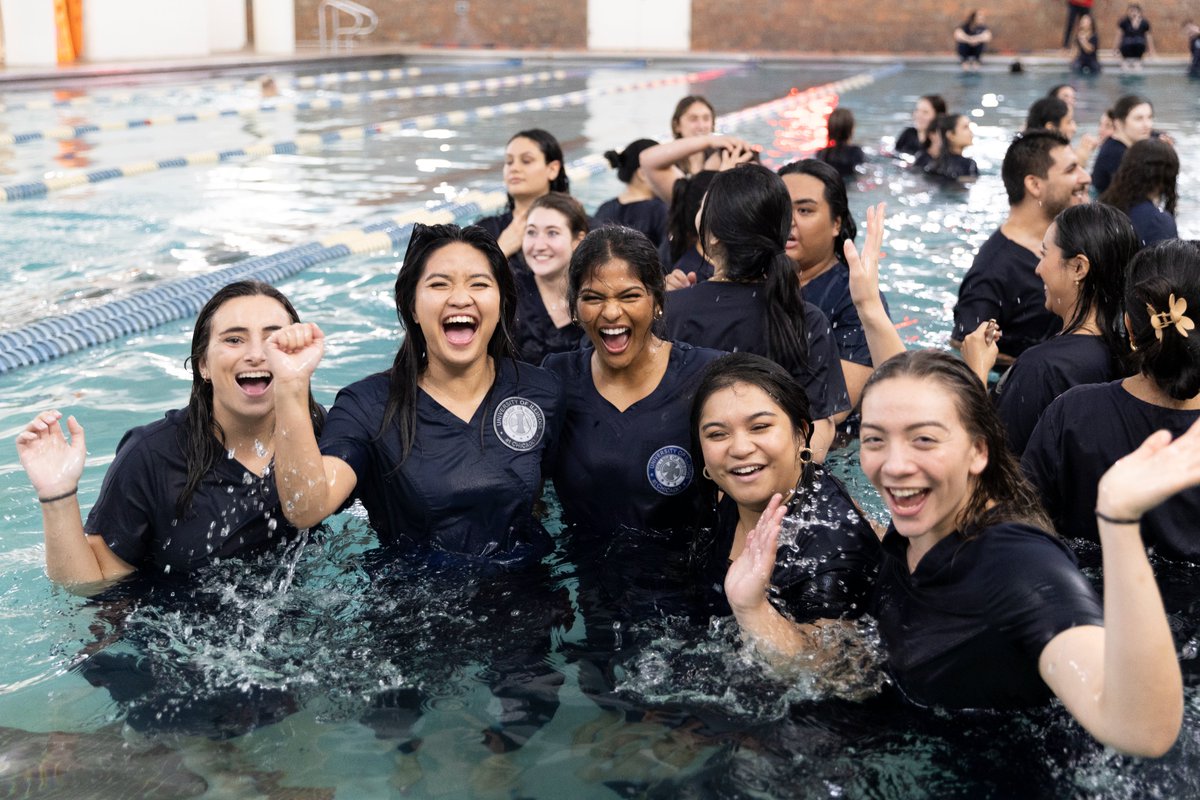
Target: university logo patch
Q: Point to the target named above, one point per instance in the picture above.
(519, 423)
(670, 470)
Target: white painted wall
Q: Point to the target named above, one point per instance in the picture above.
(274, 27)
(226, 25)
(640, 25)
(30, 39)
(121, 30)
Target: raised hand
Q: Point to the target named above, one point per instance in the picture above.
(979, 349)
(678, 279)
(749, 575)
(53, 463)
(1150, 475)
(512, 237)
(864, 267)
(294, 352)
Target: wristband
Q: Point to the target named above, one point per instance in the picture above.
(58, 497)
(1116, 520)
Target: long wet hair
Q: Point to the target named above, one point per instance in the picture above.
(746, 221)
(835, 197)
(204, 438)
(412, 359)
(1148, 168)
(1157, 272)
(1106, 237)
(551, 151)
(686, 198)
(1000, 493)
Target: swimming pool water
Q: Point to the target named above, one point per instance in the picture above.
(313, 631)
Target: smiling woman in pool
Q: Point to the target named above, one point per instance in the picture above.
(445, 449)
(176, 481)
(978, 605)
(533, 166)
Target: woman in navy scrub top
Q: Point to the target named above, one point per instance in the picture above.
(978, 606)
(554, 227)
(175, 481)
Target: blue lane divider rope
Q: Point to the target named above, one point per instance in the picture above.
(58, 336)
(323, 80)
(285, 104)
(309, 142)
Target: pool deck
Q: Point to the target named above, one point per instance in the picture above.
(309, 55)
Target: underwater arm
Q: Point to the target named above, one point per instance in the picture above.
(1122, 682)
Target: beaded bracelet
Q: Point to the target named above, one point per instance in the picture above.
(1116, 520)
(58, 497)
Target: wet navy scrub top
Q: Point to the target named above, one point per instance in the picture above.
(726, 315)
(466, 487)
(1002, 285)
(966, 628)
(232, 513)
(634, 467)
(647, 216)
(535, 333)
(1081, 435)
(824, 570)
(830, 292)
(1108, 159)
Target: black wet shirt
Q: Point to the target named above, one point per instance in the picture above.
(630, 468)
(1108, 159)
(953, 167)
(535, 334)
(730, 316)
(232, 513)
(830, 292)
(1081, 435)
(1042, 373)
(647, 216)
(909, 142)
(1002, 285)
(466, 487)
(825, 568)
(966, 628)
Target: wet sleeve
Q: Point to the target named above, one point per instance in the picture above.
(124, 511)
(1041, 461)
(979, 299)
(822, 377)
(829, 575)
(348, 431)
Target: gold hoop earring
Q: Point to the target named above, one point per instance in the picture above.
(706, 474)
(806, 455)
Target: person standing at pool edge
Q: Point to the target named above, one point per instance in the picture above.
(1042, 176)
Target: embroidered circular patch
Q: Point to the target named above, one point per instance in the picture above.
(519, 423)
(670, 470)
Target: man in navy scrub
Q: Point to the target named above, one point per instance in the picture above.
(1042, 176)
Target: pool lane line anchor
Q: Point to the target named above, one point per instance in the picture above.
(452, 89)
(54, 337)
(313, 141)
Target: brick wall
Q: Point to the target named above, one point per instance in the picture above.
(758, 25)
(487, 23)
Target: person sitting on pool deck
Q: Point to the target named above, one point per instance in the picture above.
(971, 37)
(977, 604)
(175, 482)
(1041, 176)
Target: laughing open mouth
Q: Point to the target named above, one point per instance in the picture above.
(460, 330)
(254, 383)
(615, 339)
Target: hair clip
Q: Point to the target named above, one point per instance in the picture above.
(1173, 316)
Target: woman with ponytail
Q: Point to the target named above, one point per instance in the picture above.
(753, 303)
(1086, 430)
(636, 207)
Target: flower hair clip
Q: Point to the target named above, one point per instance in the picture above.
(1173, 316)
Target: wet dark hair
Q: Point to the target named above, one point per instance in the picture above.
(686, 197)
(747, 218)
(1106, 237)
(840, 126)
(1055, 89)
(1167, 268)
(627, 161)
(1001, 485)
(835, 197)
(1149, 167)
(412, 358)
(1029, 154)
(1126, 103)
(681, 108)
(569, 207)
(754, 370)
(1046, 111)
(551, 151)
(204, 445)
(616, 242)
(936, 101)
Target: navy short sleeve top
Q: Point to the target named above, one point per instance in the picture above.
(466, 487)
(965, 629)
(535, 334)
(647, 216)
(630, 468)
(232, 513)
(830, 292)
(730, 316)
(1108, 158)
(1002, 285)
